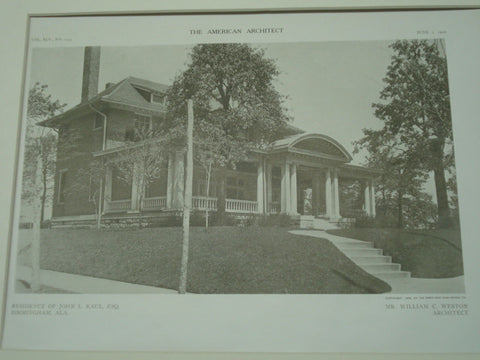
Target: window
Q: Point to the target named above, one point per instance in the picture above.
(121, 185)
(241, 187)
(98, 122)
(93, 188)
(141, 125)
(158, 98)
(62, 185)
(201, 188)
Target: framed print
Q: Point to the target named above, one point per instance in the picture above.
(296, 182)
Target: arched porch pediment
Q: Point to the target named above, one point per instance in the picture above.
(313, 143)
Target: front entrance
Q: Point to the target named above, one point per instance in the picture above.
(310, 192)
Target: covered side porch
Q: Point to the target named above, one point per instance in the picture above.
(300, 175)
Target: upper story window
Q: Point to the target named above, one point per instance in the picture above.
(142, 124)
(98, 122)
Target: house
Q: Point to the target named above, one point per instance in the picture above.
(295, 175)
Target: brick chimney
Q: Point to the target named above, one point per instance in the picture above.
(91, 68)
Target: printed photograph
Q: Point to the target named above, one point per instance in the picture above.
(265, 168)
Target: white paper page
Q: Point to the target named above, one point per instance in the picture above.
(273, 322)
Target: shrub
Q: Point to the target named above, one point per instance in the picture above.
(282, 220)
(375, 222)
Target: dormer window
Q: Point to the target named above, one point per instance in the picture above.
(158, 98)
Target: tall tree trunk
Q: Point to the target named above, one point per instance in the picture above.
(44, 190)
(444, 220)
(221, 194)
(400, 210)
(442, 198)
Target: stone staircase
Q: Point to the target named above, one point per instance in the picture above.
(371, 259)
(362, 253)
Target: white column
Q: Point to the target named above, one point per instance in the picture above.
(178, 180)
(136, 188)
(366, 198)
(169, 181)
(316, 193)
(260, 187)
(107, 196)
(293, 189)
(372, 198)
(328, 194)
(285, 189)
(336, 200)
(269, 187)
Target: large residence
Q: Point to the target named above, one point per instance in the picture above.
(295, 175)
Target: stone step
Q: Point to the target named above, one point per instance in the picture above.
(353, 252)
(387, 275)
(374, 268)
(355, 245)
(377, 259)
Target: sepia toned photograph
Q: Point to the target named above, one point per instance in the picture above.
(235, 168)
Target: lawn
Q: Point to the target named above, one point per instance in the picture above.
(227, 260)
(426, 254)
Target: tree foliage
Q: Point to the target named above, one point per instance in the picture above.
(232, 87)
(235, 101)
(416, 138)
(40, 148)
(142, 161)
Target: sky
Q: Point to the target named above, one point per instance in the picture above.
(329, 86)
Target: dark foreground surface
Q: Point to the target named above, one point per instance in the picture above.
(226, 260)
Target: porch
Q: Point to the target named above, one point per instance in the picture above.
(308, 175)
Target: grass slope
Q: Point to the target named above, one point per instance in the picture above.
(225, 260)
(426, 254)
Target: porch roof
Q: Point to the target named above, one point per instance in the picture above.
(313, 143)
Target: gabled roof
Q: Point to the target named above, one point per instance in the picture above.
(124, 93)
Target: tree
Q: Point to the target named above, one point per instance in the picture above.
(415, 107)
(232, 89)
(211, 145)
(142, 161)
(39, 165)
(402, 174)
(40, 147)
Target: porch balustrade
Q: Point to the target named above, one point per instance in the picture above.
(274, 207)
(231, 205)
(117, 205)
(204, 203)
(154, 203)
(241, 206)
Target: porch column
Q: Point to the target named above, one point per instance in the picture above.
(293, 190)
(366, 197)
(336, 200)
(260, 187)
(169, 181)
(372, 198)
(107, 196)
(316, 193)
(269, 187)
(178, 180)
(136, 188)
(328, 194)
(285, 189)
